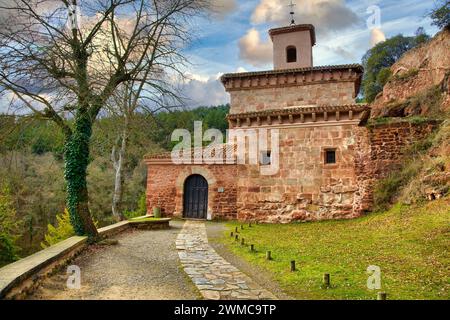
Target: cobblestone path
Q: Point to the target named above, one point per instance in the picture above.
(216, 278)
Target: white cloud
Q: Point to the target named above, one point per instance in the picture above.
(255, 51)
(197, 77)
(223, 7)
(204, 92)
(241, 70)
(376, 36)
(342, 52)
(268, 11)
(326, 15)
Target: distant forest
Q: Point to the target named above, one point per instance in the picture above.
(31, 165)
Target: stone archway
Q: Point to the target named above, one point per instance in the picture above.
(185, 174)
(195, 197)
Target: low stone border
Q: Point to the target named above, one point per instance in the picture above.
(151, 224)
(22, 277)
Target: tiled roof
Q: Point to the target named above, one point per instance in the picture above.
(300, 110)
(293, 28)
(226, 149)
(356, 67)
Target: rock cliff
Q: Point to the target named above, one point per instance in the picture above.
(420, 82)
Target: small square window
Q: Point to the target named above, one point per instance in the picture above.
(330, 156)
(265, 158)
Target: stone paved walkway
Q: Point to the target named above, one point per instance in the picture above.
(216, 278)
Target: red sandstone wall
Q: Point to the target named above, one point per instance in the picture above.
(381, 150)
(305, 188)
(165, 188)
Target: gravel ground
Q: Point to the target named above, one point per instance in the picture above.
(144, 266)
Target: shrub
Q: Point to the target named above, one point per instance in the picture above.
(406, 183)
(384, 76)
(8, 250)
(9, 228)
(407, 75)
(62, 231)
(387, 189)
(141, 209)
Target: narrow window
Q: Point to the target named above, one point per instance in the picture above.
(266, 158)
(291, 53)
(330, 156)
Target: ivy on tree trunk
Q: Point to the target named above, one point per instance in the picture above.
(76, 162)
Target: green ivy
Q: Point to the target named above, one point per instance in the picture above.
(76, 153)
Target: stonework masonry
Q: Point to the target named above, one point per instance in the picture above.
(381, 149)
(315, 113)
(165, 188)
(305, 188)
(269, 98)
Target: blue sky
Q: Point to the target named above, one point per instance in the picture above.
(234, 38)
(223, 43)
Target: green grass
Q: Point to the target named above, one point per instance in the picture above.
(410, 245)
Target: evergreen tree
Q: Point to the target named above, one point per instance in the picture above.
(381, 57)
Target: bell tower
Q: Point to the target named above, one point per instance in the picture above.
(292, 46)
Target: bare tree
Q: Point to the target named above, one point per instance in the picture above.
(132, 98)
(69, 75)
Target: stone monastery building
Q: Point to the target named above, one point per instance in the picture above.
(326, 157)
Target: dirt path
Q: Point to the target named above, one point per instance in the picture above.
(144, 266)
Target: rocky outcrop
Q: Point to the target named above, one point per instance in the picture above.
(420, 81)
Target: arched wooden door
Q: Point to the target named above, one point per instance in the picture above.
(195, 197)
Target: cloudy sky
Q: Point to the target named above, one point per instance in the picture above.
(235, 38)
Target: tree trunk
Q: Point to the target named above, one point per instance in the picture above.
(119, 162)
(76, 162)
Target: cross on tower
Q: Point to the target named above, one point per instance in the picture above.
(292, 5)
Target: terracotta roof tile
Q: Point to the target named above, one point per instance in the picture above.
(300, 110)
(227, 148)
(357, 67)
(293, 28)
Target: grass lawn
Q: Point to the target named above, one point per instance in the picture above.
(410, 245)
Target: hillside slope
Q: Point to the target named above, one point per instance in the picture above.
(418, 91)
(409, 243)
(420, 82)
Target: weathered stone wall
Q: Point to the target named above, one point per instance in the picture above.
(331, 93)
(305, 188)
(380, 151)
(165, 188)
